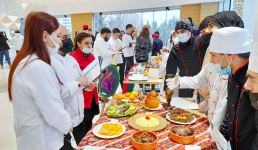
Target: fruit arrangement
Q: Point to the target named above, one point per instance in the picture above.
(130, 96)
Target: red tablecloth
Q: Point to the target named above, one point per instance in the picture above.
(128, 87)
(203, 138)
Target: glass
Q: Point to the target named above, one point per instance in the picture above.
(168, 92)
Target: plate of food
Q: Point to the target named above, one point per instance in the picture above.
(138, 77)
(109, 130)
(147, 122)
(182, 134)
(121, 109)
(181, 117)
(144, 140)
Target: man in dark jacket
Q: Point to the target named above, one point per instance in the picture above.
(230, 49)
(157, 44)
(186, 55)
(252, 85)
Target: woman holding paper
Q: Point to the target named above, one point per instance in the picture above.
(83, 55)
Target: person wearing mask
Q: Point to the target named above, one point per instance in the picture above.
(69, 73)
(117, 45)
(4, 50)
(83, 54)
(18, 40)
(143, 46)
(211, 85)
(157, 44)
(185, 55)
(129, 49)
(40, 119)
(101, 47)
(230, 49)
(252, 86)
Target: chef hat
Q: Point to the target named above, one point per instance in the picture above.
(85, 27)
(253, 60)
(230, 40)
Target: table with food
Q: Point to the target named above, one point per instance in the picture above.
(147, 122)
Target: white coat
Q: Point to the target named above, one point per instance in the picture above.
(116, 44)
(40, 120)
(217, 85)
(101, 48)
(67, 69)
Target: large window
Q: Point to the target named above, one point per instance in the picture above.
(159, 20)
(66, 21)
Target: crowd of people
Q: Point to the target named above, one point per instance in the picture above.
(52, 99)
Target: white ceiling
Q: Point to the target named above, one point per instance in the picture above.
(61, 7)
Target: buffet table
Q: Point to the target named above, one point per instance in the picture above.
(203, 138)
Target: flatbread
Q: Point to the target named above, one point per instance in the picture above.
(143, 122)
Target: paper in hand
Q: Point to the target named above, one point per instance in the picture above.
(92, 71)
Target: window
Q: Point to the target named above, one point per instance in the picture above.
(66, 21)
(160, 20)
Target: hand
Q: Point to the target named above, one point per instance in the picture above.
(82, 80)
(173, 83)
(91, 86)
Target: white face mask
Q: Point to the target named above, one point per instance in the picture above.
(87, 50)
(53, 51)
(183, 37)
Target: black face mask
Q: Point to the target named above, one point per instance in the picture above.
(254, 99)
(205, 39)
(67, 46)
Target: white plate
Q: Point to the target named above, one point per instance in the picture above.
(98, 127)
(168, 118)
(158, 108)
(138, 78)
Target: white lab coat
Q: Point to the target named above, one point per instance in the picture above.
(67, 69)
(40, 120)
(101, 48)
(128, 51)
(116, 44)
(217, 85)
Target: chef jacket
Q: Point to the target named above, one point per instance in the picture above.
(217, 85)
(83, 61)
(40, 120)
(116, 43)
(188, 57)
(101, 48)
(68, 70)
(239, 124)
(129, 50)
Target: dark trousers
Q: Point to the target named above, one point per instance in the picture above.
(122, 73)
(81, 130)
(7, 57)
(128, 64)
(141, 61)
(67, 143)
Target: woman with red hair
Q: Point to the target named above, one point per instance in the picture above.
(40, 120)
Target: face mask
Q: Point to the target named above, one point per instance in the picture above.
(53, 51)
(254, 99)
(67, 46)
(87, 50)
(183, 37)
(224, 71)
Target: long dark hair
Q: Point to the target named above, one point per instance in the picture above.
(79, 38)
(145, 33)
(36, 24)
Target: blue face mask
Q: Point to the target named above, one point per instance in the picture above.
(223, 71)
